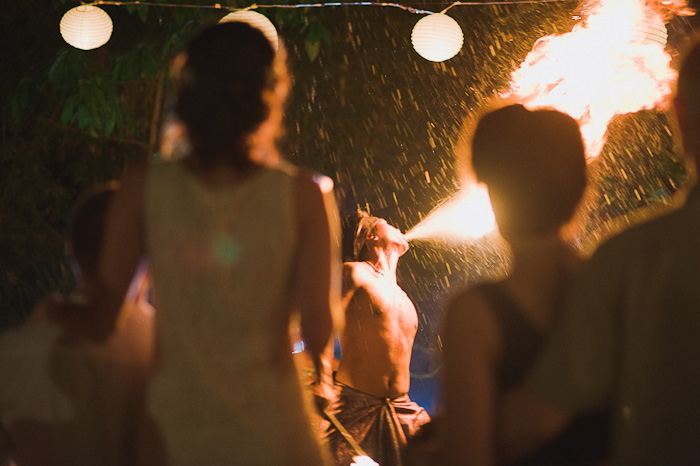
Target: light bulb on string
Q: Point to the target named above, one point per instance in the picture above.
(86, 27)
(256, 20)
(437, 37)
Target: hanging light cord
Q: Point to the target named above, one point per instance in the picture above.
(500, 3)
(219, 6)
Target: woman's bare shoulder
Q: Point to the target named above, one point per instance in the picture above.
(133, 180)
(310, 185)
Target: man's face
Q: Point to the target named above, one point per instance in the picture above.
(390, 235)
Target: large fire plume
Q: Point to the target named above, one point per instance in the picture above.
(613, 62)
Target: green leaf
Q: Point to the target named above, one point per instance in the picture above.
(325, 33)
(95, 116)
(101, 101)
(143, 12)
(315, 31)
(110, 121)
(149, 63)
(167, 46)
(57, 71)
(83, 116)
(68, 112)
(312, 49)
(119, 116)
(66, 70)
(292, 19)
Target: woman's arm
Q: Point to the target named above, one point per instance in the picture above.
(124, 239)
(123, 244)
(471, 348)
(318, 274)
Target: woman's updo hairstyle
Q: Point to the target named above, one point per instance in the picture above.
(231, 81)
(534, 165)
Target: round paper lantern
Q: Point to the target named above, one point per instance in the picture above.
(86, 27)
(437, 37)
(256, 20)
(363, 460)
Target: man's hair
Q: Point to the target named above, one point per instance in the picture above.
(86, 229)
(534, 165)
(350, 225)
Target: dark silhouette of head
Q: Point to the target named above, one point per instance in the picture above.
(687, 100)
(231, 81)
(533, 163)
(87, 227)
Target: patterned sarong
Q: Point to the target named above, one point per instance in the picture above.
(380, 425)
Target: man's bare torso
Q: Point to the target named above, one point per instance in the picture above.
(377, 339)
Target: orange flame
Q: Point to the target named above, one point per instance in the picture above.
(465, 216)
(613, 62)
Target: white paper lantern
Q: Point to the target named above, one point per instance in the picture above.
(256, 20)
(437, 37)
(363, 461)
(86, 27)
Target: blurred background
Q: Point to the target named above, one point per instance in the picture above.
(365, 109)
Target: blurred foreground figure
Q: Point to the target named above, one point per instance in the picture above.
(533, 163)
(68, 400)
(373, 377)
(238, 242)
(630, 332)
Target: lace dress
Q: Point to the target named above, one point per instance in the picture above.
(225, 390)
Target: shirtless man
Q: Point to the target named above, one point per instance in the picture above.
(373, 378)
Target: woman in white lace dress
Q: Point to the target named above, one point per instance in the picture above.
(238, 241)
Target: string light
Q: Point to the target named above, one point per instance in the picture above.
(256, 20)
(437, 37)
(86, 27)
(218, 6)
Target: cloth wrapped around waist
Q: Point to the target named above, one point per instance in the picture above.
(380, 425)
